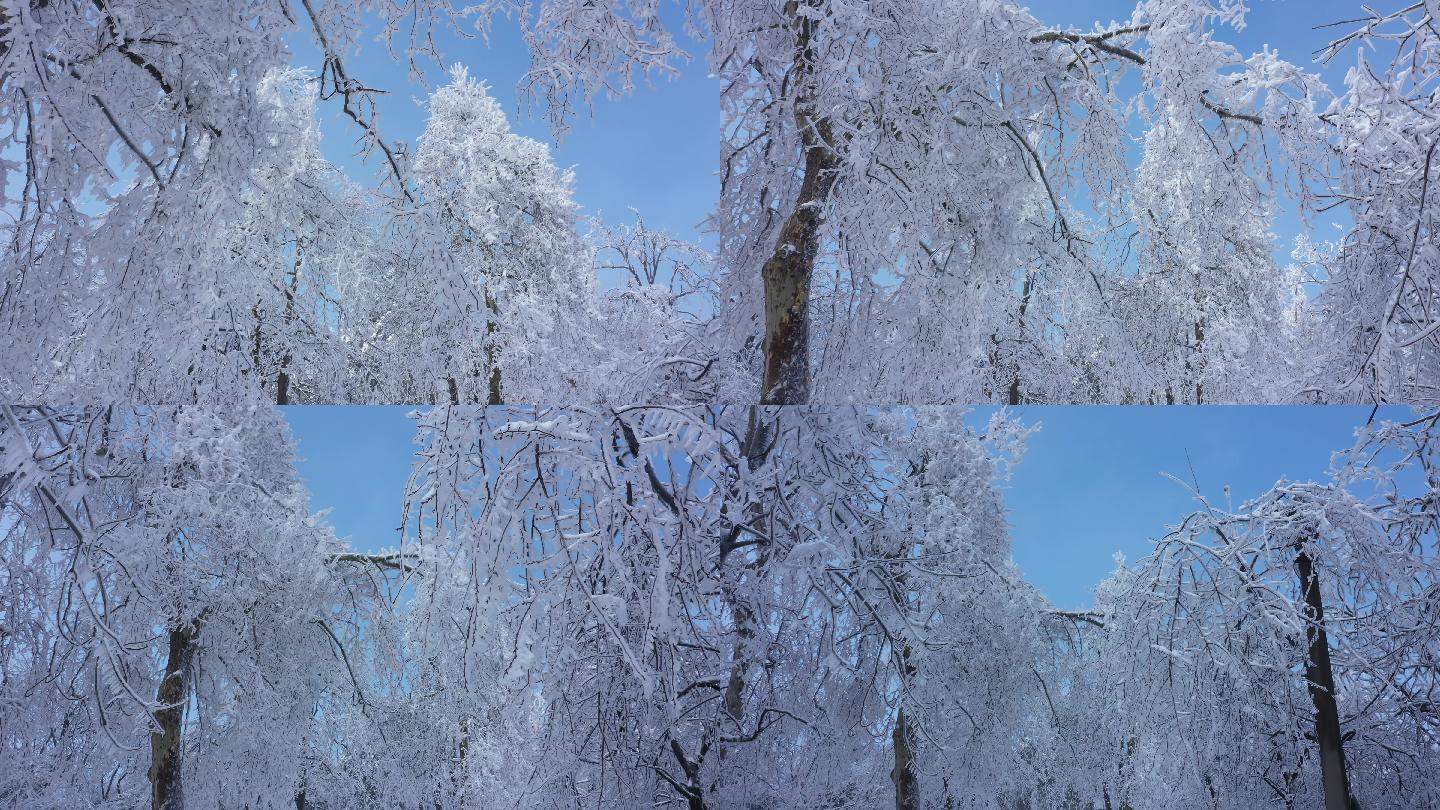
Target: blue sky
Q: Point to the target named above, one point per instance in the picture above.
(656, 150)
(356, 460)
(1091, 482)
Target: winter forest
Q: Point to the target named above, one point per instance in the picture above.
(694, 607)
(719, 330)
(920, 201)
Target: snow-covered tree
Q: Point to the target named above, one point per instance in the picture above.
(932, 201)
(497, 287)
(738, 608)
(1282, 654)
(176, 625)
(656, 311)
(692, 607)
(287, 271)
(1378, 315)
(172, 235)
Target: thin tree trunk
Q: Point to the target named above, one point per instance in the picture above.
(282, 380)
(165, 766)
(903, 774)
(1013, 397)
(1199, 343)
(787, 273)
(257, 342)
(457, 785)
(492, 351)
(739, 657)
(902, 739)
(1320, 678)
(754, 449)
(694, 794)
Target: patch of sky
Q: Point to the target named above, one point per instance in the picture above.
(655, 150)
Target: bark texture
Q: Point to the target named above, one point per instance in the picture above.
(907, 791)
(165, 765)
(787, 273)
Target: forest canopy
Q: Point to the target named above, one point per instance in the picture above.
(693, 607)
(711, 573)
(921, 201)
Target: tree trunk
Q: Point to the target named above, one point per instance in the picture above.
(257, 343)
(492, 352)
(165, 766)
(903, 775)
(735, 681)
(1320, 679)
(1199, 342)
(282, 380)
(739, 657)
(788, 271)
(1013, 397)
(907, 792)
(740, 608)
(754, 449)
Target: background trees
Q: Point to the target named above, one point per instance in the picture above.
(752, 607)
(921, 201)
(490, 272)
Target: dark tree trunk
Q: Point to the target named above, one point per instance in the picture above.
(739, 656)
(165, 766)
(907, 791)
(492, 328)
(788, 271)
(1320, 679)
(902, 738)
(693, 792)
(257, 342)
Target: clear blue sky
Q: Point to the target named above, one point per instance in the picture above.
(355, 459)
(1092, 481)
(1090, 484)
(656, 150)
